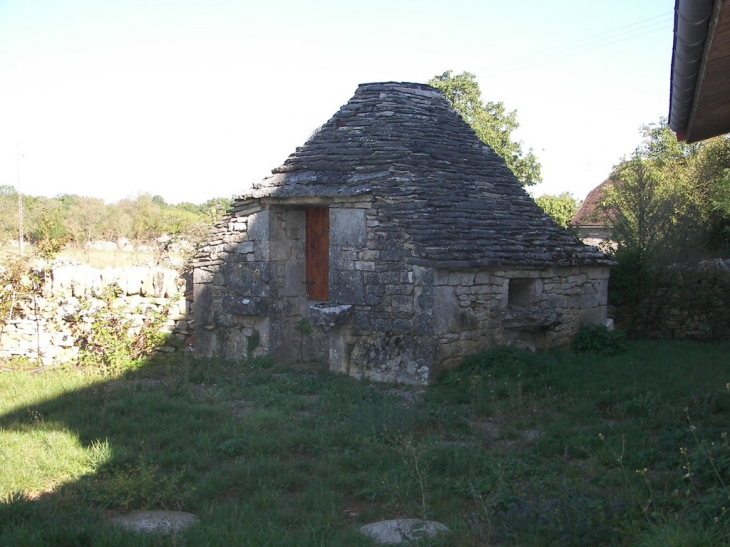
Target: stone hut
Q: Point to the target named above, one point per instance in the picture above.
(392, 244)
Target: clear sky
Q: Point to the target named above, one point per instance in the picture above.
(195, 99)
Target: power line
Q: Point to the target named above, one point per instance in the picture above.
(609, 34)
(21, 234)
(607, 38)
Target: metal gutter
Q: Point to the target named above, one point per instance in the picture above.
(691, 23)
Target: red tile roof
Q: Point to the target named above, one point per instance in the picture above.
(590, 213)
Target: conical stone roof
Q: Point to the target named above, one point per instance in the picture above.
(432, 180)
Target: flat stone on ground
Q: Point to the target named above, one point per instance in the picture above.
(400, 530)
(165, 522)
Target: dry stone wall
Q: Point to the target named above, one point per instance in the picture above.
(691, 303)
(389, 316)
(524, 307)
(46, 326)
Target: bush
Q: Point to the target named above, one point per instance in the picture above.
(598, 339)
(113, 341)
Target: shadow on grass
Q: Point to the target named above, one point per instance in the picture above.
(514, 447)
(231, 442)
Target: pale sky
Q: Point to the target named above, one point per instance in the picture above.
(199, 99)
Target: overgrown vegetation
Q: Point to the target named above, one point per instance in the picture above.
(112, 337)
(560, 208)
(598, 339)
(79, 220)
(670, 209)
(514, 448)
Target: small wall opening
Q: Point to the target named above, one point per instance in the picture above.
(523, 292)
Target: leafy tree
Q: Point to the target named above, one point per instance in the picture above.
(215, 208)
(84, 218)
(708, 170)
(43, 219)
(561, 208)
(8, 213)
(688, 197)
(491, 122)
(48, 241)
(81, 219)
(660, 221)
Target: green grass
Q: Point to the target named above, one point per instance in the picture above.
(514, 448)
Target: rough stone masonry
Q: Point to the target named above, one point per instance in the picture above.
(390, 245)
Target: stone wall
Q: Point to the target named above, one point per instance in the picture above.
(45, 326)
(690, 303)
(390, 316)
(525, 307)
(249, 280)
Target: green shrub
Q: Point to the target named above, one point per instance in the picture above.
(112, 341)
(598, 339)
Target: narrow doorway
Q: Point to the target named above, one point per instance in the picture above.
(317, 252)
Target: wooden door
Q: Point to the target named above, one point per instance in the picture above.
(317, 252)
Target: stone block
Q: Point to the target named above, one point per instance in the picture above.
(365, 266)
(247, 279)
(328, 315)
(376, 241)
(259, 226)
(440, 277)
(445, 309)
(368, 255)
(423, 276)
(482, 278)
(392, 256)
(135, 279)
(347, 287)
(348, 227)
(245, 247)
(362, 320)
(389, 278)
(399, 289)
(294, 279)
(248, 306)
(402, 304)
(374, 289)
(262, 252)
(465, 279)
(295, 224)
(402, 326)
(111, 276)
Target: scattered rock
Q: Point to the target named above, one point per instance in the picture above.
(400, 530)
(164, 522)
(487, 429)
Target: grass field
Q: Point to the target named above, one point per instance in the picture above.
(514, 449)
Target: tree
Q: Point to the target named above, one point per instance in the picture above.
(491, 122)
(561, 208)
(708, 170)
(659, 222)
(8, 213)
(215, 208)
(691, 187)
(83, 217)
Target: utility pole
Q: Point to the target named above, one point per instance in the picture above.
(21, 235)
